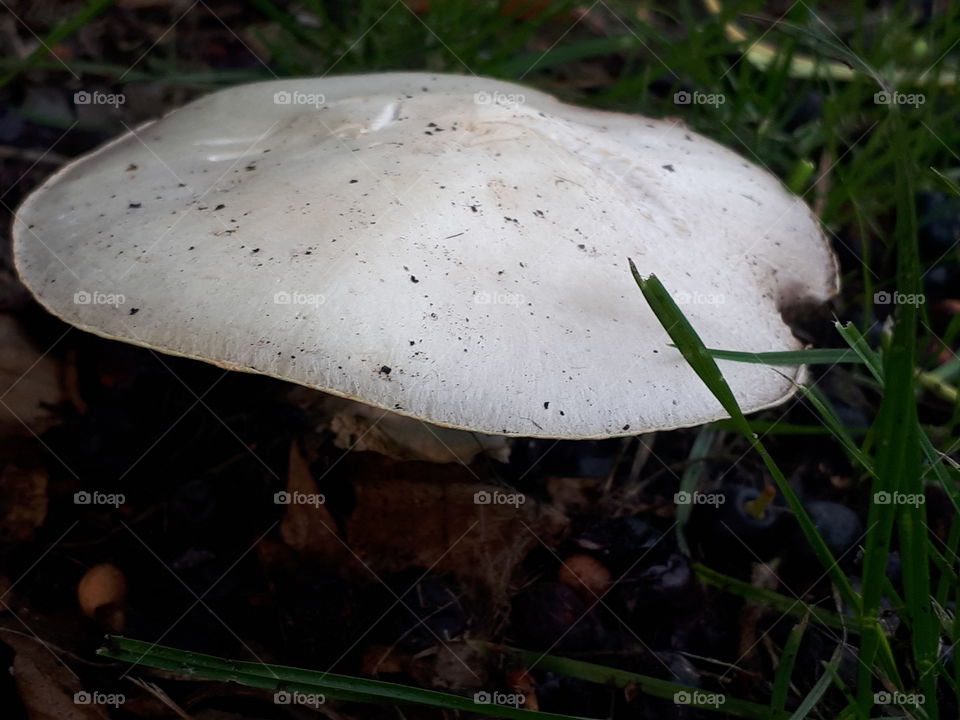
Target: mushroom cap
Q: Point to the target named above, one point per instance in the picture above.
(449, 248)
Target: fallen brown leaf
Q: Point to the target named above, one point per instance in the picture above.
(46, 687)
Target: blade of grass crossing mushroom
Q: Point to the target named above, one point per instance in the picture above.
(308, 682)
(690, 478)
(687, 341)
(812, 356)
(690, 345)
(788, 657)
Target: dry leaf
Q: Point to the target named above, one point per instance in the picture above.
(307, 525)
(29, 382)
(47, 688)
(406, 517)
(23, 499)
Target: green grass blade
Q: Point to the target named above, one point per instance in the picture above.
(688, 342)
(799, 175)
(768, 598)
(813, 356)
(820, 687)
(695, 353)
(947, 575)
(788, 657)
(56, 34)
(852, 709)
(690, 478)
(778, 427)
(278, 677)
(830, 419)
(604, 675)
(858, 343)
(899, 431)
(561, 54)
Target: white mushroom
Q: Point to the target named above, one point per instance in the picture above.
(449, 248)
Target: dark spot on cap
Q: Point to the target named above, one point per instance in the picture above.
(385, 370)
(131, 167)
(668, 167)
(413, 278)
(134, 311)
(134, 206)
(352, 182)
(221, 206)
(546, 405)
